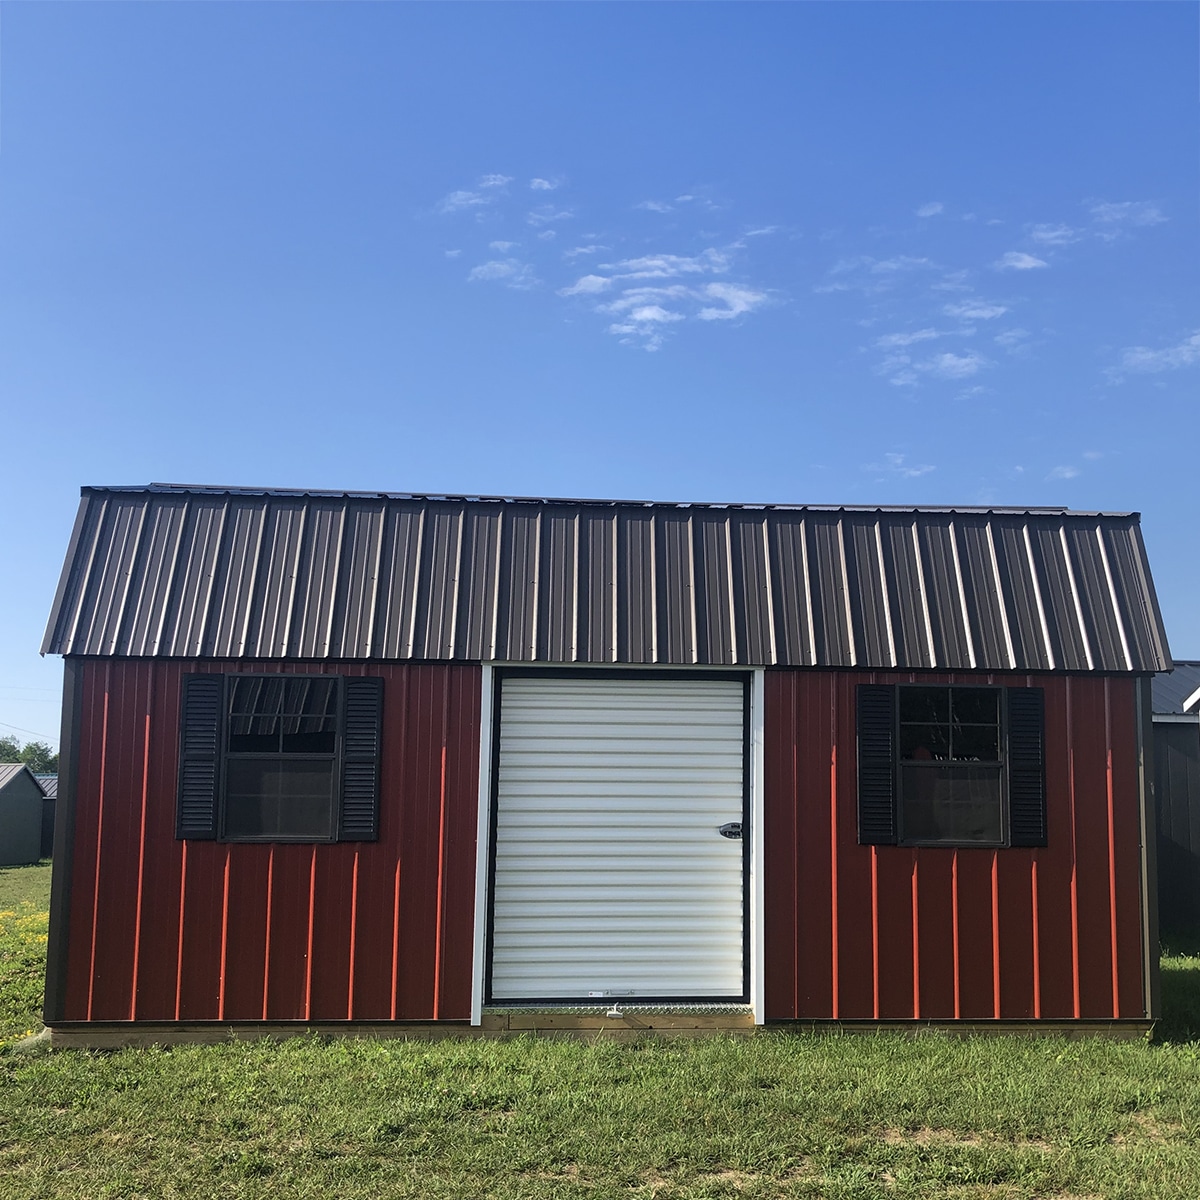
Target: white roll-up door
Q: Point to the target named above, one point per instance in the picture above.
(612, 879)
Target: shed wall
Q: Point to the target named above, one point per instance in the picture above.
(889, 932)
(163, 930)
(20, 821)
(1177, 797)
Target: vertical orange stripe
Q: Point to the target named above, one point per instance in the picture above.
(1037, 948)
(833, 869)
(137, 927)
(353, 938)
(996, 934)
(267, 937)
(396, 942)
(179, 954)
(438, 948)
(916, 942)
(954, 922)
(308, 968)
(99, 835)
(1112, 849)
(224, 939)
(875, 928)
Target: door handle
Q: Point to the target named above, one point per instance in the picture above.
(731, 829)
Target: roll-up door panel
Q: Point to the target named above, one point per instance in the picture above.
(611, 876)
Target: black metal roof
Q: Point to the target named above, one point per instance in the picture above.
(200, 571)
(1178, 692)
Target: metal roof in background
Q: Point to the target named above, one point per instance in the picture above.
(9, 772)
(201, 572)
(1171, 693)
(49, 785)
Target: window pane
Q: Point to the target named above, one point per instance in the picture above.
(953, 804)
(253, 743)
(925, 742)
(978, 743)
(925, 705)
(976, 706)
(272, 797)
(315, 742)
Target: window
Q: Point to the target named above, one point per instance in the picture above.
(279, 758)
(951, 765)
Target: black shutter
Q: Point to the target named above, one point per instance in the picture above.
(199, 756)
(361, 738)
(1026, 766)
(876, 765)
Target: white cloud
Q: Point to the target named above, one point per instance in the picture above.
(737, 300)
(543, 185)
(890, 340)
(458, 201)
(509, 271)
(453, 253)
(684, 199)
(953, 281)
(954, 366)
(588, 285)
(668, 266)
(1018, 260)
(1011, 337)
(869, 275)
(1063, 473)
(656, 206)
(1093, 454)
(761, 232)
(576, 251)
(1169, 358)
(902, 262)
(639, 297)
(494, 181)
(653, 312)
(931, 209)
(1054, 235)
(1127, 212)
(975, 310)
(898, 465)
(548, 213)
(503, 247)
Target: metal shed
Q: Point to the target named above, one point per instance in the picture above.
(347, 759)
(20, 816)
(1176, 703)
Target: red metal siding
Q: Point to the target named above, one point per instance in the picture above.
(163, 930)
(889, 932)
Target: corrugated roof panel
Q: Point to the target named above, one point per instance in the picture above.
(192, 573)
(1171, 692)
(984, 604)
(437, 600)
(233, 583)
(1021, 596)
(713, 569)
(151, 600)
(952, 647)
(558, 595)
(516, 637)
(311, 629)
(597, 587)
(112, 581)
(1058, 599)
(864, 572)
(791, 602)
(906, 596)
(357, 598)
(753, 619)
(674, 587)
(1095, 597)
(1137, 604)
(636, 633)
(478, 578)
(400, 560)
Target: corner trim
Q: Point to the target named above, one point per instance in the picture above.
(55, 1001)
(757, 914)
(1148, 835)
(483, 839)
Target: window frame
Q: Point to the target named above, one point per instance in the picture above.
(335, 759)
(900, 763)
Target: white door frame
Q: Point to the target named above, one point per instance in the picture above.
(484, 824)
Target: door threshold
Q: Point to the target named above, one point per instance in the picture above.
(627, 1019)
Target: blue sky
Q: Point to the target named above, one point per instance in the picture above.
(856, 253)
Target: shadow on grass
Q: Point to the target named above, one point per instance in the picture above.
(1180, 990)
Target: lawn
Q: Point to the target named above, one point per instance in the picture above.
(774, 1115)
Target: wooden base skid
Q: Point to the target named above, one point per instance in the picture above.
(500, 1024)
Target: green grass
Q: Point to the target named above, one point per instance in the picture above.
(775, 1115)
(24, 914)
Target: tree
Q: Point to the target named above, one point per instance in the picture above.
(40, 758)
